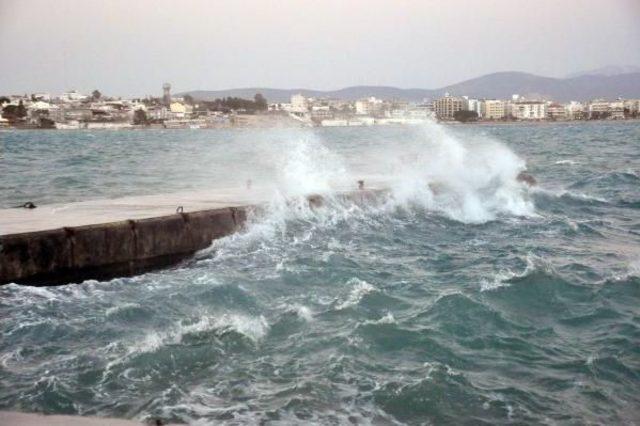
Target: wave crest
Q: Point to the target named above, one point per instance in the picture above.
(359, 289)
(504, 277)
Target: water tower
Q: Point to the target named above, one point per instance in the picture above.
(166, 93)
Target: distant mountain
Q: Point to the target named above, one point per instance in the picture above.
(608, 71)
(499, 85)
(503, 84)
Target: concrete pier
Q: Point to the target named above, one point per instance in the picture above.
(13, 418)
(105, 239)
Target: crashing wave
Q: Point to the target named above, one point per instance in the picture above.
(470, 181)
(566, 162)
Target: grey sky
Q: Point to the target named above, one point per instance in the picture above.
(130, 47)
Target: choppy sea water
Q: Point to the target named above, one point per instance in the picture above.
(474, 301)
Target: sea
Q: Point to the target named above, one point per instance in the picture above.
(461, 297)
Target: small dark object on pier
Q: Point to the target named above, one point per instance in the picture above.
(315, 200)
(360, 184)
(180, 209)
(27, 205)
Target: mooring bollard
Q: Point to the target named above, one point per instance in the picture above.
(27, 205)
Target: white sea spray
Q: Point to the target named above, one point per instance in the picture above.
(304, 313)
(359, 288)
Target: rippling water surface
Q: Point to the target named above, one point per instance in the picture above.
(474, 300)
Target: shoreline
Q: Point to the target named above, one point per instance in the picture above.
(280, 126)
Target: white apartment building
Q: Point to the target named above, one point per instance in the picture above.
(369, 106)
(597, 107)
(299, 103)
(492, 109)
(600, 108)
(72, 96)
(574, 110)
(529, 110)
(363, 107)
(473, 105)
(39, 109)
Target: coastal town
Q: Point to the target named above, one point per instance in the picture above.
(74, 110)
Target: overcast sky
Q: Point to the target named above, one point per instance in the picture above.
(130, 47)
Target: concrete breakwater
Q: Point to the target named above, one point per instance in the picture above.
(109, 250)
(120, 248)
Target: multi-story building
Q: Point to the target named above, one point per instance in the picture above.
(632, 106)
(556, 111)
(369, 106)
(529, 110)
(616, 110)
(363, 107)
(321, 112)
(473, 105)
(72, 96)
(299, 103)
(179, 110)
(40, 109)
(574, 110)
(492, 109)
(598, 108)
(157, 112)
(447, 106)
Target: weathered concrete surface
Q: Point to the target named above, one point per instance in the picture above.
(124, 238)
(13, 418)
(93, 212)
